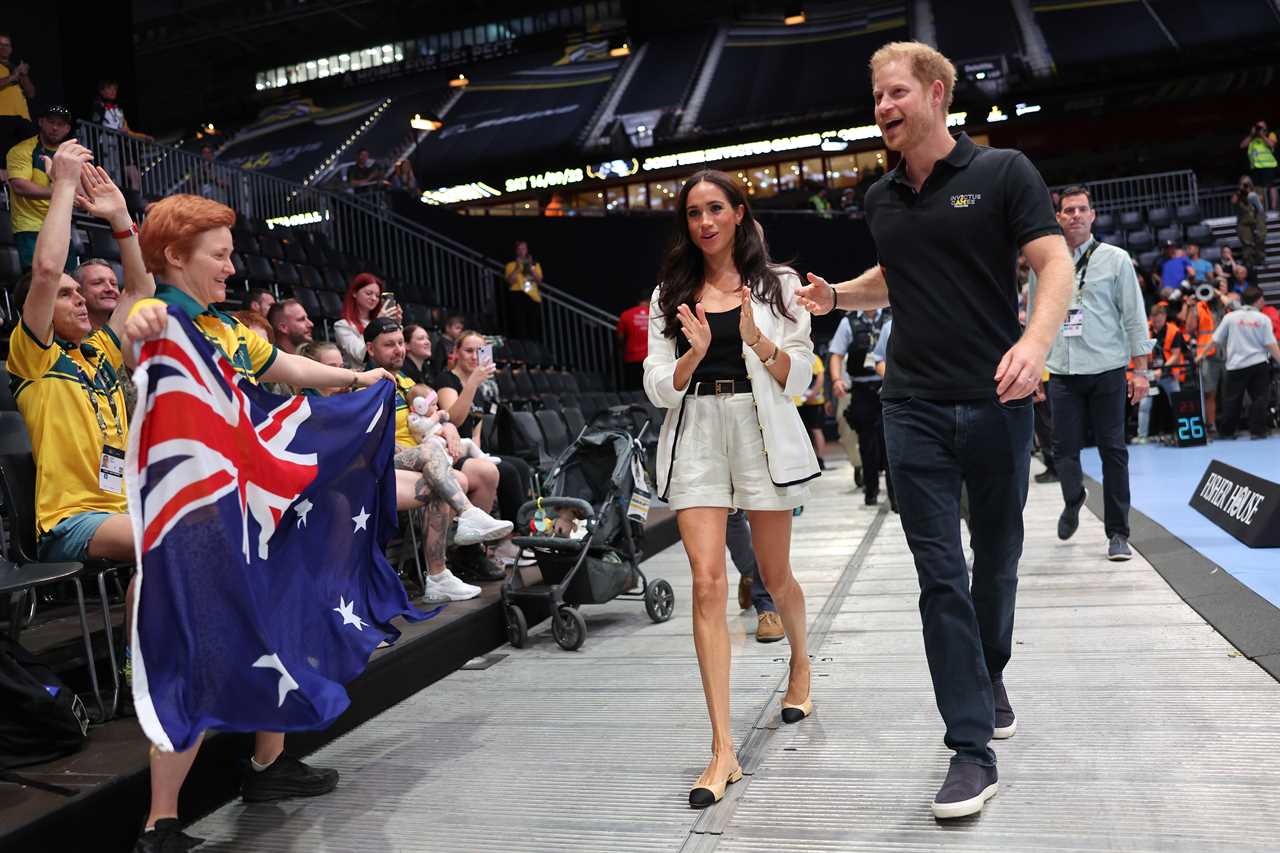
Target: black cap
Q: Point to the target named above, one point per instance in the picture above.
(56, 111)
(378, 326)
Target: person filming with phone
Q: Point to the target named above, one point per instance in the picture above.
(364, 301)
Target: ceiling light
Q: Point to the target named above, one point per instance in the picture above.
(459, 82)
(428, 123)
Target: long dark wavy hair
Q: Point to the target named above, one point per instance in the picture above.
(682, 268)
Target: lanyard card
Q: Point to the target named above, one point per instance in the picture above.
(111, 471)
(1073, 326)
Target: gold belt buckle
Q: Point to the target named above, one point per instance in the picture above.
(724, 387)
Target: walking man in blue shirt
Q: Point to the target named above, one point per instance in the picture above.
(1105, 327)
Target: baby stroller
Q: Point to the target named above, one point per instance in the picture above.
(595, 477)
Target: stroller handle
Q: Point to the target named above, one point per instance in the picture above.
(624, 409)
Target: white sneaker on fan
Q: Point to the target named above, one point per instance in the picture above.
(447, 585)
(476, 525)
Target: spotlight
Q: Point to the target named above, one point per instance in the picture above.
(428, 123)
(459, 82)
(619, 47)
(794, 15)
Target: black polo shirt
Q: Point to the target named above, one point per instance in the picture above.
(950, 256)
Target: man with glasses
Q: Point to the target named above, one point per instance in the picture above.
(1105, 327)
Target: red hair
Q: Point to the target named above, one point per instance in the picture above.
(177, 221)
(351, 311)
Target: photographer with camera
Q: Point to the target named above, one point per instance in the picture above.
(1105, 327)
(1251, 224)
(524, 300)
(1260, 147)
(1204, 311)
(1249, 341)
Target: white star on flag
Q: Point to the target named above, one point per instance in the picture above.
(287, 683)
(347, 609)
(361, 520)
(303, 507)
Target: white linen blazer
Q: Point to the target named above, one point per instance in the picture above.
(789, 452)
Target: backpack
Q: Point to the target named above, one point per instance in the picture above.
(40, 717)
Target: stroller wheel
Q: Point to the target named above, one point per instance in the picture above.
(517, 627)
(659, 600)
(569, 628)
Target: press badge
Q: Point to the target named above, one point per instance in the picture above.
(1073, 326)
(870, 361)
(111, 472)
(638, 507)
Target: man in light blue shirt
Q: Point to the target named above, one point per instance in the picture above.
(1203, 269)
(1106, 327)
(856, 387)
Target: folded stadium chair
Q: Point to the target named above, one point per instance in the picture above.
(1131, 220)
(529, 436)
(551, 401)
(574, 420)
(1140, 240)
(334, 280)
(540, 383)
(102, 245)
(1212, 254)
(571, 385)
(18, 484)
(1104, 223)
(311, 277)
(287, 274)
(524, 385)
(1115, 238)
(1200, 234)
(1159, 217)
(330, 305)
(1187, 214)
(258, 271)
(506, 385)
(555, 432)
(1169, 232)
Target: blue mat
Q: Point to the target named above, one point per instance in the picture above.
(1161, 480)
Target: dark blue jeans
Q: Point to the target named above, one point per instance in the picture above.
(934, 448)
(738, 538)
(1100, 399)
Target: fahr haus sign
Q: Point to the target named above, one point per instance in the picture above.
(1245, 506)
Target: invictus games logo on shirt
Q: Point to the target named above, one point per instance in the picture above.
(963, 200)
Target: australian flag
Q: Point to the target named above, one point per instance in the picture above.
(259, 524)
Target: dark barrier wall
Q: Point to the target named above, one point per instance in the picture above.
(608, 261)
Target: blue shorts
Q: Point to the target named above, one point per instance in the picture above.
(69, 540)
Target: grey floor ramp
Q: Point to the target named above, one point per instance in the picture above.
(1140, 729)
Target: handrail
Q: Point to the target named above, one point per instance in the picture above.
(1138, 192)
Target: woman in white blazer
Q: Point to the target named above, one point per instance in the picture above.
(728, 348)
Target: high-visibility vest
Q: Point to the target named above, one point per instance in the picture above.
(1261, 155)
(1204, 331)
(1176, 368)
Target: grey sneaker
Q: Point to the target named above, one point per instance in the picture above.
(1070, 518)
(1006, 723)
(968, 786)
(1118, 550)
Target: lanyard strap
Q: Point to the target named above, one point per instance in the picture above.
(91, 388)
(1082, 265)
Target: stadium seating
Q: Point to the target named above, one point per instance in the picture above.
(1139, 240)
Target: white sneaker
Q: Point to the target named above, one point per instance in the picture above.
(509, 553)
(476, 525)
(446, 585)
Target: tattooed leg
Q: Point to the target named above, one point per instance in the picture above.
(437, 475)
(435, 532)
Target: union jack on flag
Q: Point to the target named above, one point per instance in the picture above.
(259, 524)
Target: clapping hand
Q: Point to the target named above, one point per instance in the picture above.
(747, 320)
(697, 331)
(100, 197)
(67, 161)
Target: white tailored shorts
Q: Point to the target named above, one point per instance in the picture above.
(719, 458)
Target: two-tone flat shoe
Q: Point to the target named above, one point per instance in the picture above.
(701, 796)
(796, 713)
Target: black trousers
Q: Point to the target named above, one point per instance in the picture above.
(864, 417)
(524, 316)
(1044, 432)
(1099, 399)
(1256, 380)
(633, 375)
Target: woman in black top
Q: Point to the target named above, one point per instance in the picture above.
(417, 354)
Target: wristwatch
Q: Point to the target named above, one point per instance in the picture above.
(768, 362)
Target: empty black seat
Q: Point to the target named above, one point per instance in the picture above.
(506, 385)
(258, 270)
(540, 383)
(1187, 214)
(1199, 234)
(269, 247)
(1104, 223)
(10, 266)
(310, 303)
(1146, 260)
(240, 277)
(287, 274)
(574, 420)
(1140, 240)
(102, 245)
(515, 349)
(1159, 217)
(1131, 220)
(334, 280)
(529, 436)
(1212, 254)
(294, 251)
(524, 386)
(551, 401)
(6, 231)
(330, 305)
(1115, 238)
(555, 432)
(571, 384)
(246, 243)
(311, 277)
(1169, 233)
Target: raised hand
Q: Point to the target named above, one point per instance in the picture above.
(100, 197)
(747, 320)
(697, 330)
(817, 297)
(67, 162)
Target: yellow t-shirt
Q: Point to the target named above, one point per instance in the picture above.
(13, 101)
(23, 161)
(526, 285)
(404, 438)
(249, 354)
(818, 399)
(56, 387)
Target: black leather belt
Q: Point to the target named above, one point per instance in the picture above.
(722, 386)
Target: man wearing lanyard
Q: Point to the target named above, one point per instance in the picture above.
(1105, 327)
(67, 376)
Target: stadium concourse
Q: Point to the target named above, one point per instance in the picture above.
(1141, 727)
